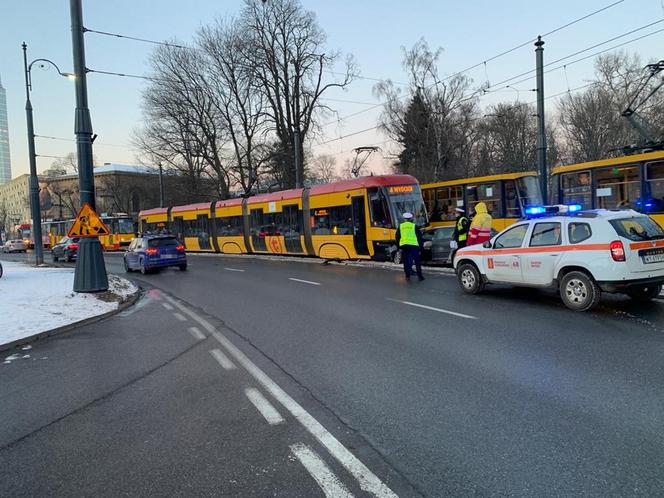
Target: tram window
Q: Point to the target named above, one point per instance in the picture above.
(292, 220)
(273, 224)
(489, 194)
(618, 187)
(655, 182)
(380, 215)
(230, 225)
(341, 220)
(443, 202)
(320, 221)
(429, 196)
(513, 209)
(178, 227)
(575, 188)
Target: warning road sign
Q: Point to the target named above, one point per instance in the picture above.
(88, 224)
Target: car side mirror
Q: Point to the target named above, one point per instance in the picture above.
(487, 245)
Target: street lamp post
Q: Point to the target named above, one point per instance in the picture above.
(90, 274)
(35, 210)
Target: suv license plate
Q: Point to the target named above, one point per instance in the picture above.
(654, 256)
(169, 256)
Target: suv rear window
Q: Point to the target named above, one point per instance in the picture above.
(163, 242)
(638, 228)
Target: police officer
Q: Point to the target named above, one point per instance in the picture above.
(409, 240)
(460, 235)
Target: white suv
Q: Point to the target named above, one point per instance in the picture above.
(581, 254)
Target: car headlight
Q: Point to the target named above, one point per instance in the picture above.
(427, 244)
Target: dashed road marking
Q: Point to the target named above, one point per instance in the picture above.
(303, 281)
(222, 359)
(233, 269)
(196, 332)
(180, 317)
(368, 481)
(431, 308)
(321, 473)
(167, 306)
(268, 411)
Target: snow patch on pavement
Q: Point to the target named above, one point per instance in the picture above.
(34, 300)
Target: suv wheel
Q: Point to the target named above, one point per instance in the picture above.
(126, 266)
(396, 257)
(54, 257)
(579, 292)
(470, 279)
(644, 293)
(183, 267)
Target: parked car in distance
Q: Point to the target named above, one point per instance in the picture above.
(436, 245)
(153, 252)
(14, 245)
(66, 249)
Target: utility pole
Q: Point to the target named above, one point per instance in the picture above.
(90, 275)
(161, 186)
(541, 130)
(299, 173)
(35, 210)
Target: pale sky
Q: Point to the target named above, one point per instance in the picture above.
(374, 31)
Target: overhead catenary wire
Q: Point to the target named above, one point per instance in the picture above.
(63, 139)
(510, 80)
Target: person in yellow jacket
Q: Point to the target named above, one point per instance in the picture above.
(480, 227)
(409, 240)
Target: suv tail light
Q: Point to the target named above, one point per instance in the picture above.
(152, 250)
(617, 250)
(179, 248)
(72, 246)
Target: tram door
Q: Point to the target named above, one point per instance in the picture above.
(292, 228)
(359, 226)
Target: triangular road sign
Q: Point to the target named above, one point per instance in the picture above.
(88, 224)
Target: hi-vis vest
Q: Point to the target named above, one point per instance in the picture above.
(462, 234)
(408, 236)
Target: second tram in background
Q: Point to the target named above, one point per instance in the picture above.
(351, 219)
(121, 226)
(634, 182)
(506, 197)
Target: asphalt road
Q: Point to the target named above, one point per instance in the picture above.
(435, 392)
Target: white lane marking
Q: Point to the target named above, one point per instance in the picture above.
(368, 481)
(180, 317)
(303, 281)
(325, 478)
(196, 332)
(167, 306)
(431, 308)
(222, 359)
(268, 411)
(232, 269)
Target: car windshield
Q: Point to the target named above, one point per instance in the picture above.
(163, 242)
(638, 228)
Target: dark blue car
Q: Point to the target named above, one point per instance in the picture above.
(152, 252)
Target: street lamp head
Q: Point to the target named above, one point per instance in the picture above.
(70, 76)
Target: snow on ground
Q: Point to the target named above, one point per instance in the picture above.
(34, 300)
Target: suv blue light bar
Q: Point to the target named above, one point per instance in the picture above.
(573, 208)
(535, 210)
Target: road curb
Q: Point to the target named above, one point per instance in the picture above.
(130, 301)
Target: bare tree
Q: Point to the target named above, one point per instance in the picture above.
(184, 129)
(290, 63)
(434, 122)
(324, 169)
(591, 124)
(239, 101)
